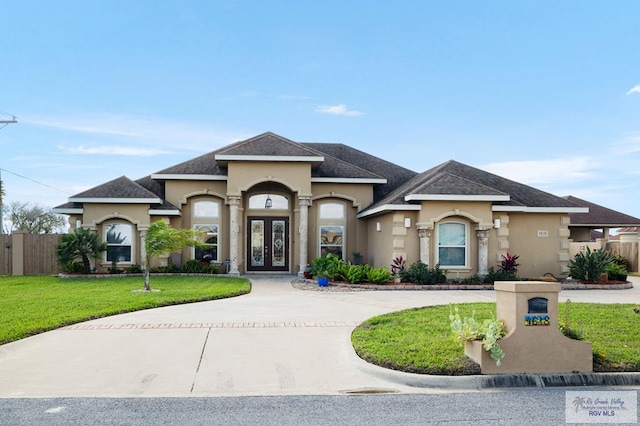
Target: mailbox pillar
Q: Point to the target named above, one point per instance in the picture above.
(533, 343)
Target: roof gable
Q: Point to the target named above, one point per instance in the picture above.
(456, 181)
(119, 190)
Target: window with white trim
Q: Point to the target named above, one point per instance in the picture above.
(452, 244)
(331, 229)
(206, 219)
(119, 238)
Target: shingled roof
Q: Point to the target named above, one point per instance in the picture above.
(121, 188)
(268, 144)
(455, 179)
(394, 174)
(598, 216)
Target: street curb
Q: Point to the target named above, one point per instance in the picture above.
(500, 381)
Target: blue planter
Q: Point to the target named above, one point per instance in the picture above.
(323, 281)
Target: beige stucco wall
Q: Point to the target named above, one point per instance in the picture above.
(542, 242)
(244, 175)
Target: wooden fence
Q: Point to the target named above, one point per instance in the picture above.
(28, 254)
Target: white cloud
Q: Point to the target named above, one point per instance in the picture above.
(629, 145)
(546, 172)
(113, 150)
(338, 110)
(147, 130)
(634, 89)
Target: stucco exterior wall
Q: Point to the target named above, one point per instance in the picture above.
(244, 175)
(380, 251)
(541, 241)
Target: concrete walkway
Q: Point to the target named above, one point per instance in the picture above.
(277, 340)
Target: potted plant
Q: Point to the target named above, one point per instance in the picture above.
(307, 272)
(397, 268)
(323, 278)
(323, 267)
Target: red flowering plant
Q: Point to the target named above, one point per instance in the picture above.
(509, 265)
(397, 266)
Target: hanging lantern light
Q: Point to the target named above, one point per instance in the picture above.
(268, 203)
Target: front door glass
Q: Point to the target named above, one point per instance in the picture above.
(268, 244)
(257, 243)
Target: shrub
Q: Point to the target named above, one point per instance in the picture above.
(191, 267)
(211, 269)
(616, 272)
(169, 269)
(327, 266)
(508, 263)
(499, 275)
(589, 265)
(74, 268)
(134, 269)
(354, 273)
(379, 275)
(419, 273)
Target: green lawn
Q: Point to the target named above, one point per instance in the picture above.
(420, 340)
(33, 304)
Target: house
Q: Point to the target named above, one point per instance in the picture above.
(583, 232)
(272, 205)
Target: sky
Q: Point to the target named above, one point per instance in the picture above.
(546, 93)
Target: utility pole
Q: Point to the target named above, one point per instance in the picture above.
(3, 123)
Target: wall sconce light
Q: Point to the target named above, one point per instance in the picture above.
(378, 227)
(407, 222)
(78, 223)
(496, 223)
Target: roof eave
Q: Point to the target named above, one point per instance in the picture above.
(347, 180)
(526, 209)
(104, 200)
(68, 210)
(161, 212)
(223, 159)
(389, 207)
(455, 197)
(171, 176)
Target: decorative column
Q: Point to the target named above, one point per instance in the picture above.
(304, 233)
(483, 251)
(234, 231)
(143, 249)
(425, 243)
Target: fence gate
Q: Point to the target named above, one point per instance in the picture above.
(5, 254)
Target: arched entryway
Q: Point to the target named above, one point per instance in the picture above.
(268, 219)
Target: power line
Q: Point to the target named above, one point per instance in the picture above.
(35, 181)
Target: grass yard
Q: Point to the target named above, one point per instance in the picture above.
(420, 340)
(34, 304)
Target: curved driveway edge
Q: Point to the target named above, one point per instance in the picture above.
(277, 340)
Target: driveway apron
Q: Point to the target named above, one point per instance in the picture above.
(277, 340)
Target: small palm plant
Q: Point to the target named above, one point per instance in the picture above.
(82, 244)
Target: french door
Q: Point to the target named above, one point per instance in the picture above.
(268, 244)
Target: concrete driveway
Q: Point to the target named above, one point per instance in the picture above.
(277, 340)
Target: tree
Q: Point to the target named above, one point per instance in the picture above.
(81, 244)
(162, 239)
(34, 219)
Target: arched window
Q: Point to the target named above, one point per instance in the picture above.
(119, 238)
(206, 218)
(331, 228)
(452, 244)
